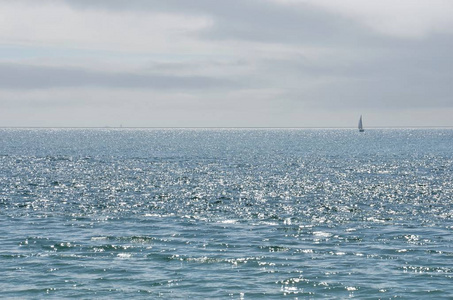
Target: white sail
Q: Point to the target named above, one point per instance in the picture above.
(361, 125)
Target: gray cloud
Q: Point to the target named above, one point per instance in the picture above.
(357, 67)
(15, 76)
(250, 20)
(399, 75)
(364, 63)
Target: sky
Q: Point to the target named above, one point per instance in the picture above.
(235, 63)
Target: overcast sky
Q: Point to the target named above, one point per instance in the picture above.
(232, 63)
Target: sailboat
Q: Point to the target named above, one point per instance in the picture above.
(361, 125)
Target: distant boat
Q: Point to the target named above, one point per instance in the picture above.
(361, 125)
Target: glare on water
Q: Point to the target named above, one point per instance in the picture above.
(226, 213)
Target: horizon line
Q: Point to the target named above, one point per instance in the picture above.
(220, 127)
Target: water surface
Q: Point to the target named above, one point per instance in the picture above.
(226, 213)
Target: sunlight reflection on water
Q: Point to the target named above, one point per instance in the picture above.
(253, 213)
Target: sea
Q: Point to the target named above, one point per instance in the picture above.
(257, 213)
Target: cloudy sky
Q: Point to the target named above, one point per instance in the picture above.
(232, 63)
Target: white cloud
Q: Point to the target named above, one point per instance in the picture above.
(54, 23)
(399, 18)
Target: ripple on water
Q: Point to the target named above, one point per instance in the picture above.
(226, 213)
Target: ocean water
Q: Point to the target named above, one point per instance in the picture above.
(226, 213)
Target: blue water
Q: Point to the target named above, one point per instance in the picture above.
(226, 213)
